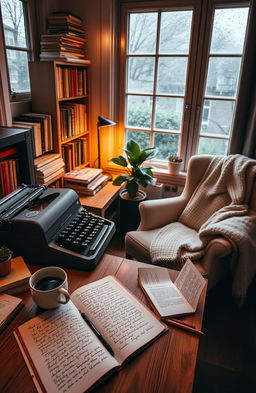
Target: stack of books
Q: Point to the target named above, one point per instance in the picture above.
(41, 125)
(86, 181)
(17, 281)
(65, 39)
(47, 167)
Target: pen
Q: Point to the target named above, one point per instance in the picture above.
(183, 322)
(97, 333)
(187, 328)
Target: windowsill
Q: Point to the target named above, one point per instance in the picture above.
(163, 176)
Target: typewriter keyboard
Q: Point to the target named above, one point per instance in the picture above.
(83, 234)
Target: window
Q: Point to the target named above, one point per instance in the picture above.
(18, 51)
(181, 76)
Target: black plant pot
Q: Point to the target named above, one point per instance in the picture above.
(129, 215)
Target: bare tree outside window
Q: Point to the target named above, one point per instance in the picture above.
(157, 74)
(16, 45)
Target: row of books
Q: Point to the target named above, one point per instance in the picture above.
(87, 181)
(41, 125)
(47, 167)
(72, 82)
(8, 171)
(75, 153)
(73, 120)
(65, 39)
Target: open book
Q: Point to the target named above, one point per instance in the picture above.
(61, 350)
(168, 298)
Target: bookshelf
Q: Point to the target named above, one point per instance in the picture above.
(17, 144)
(61, 89)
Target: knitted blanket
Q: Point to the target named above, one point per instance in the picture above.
(217, 207)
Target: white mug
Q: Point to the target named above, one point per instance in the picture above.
(49, 298)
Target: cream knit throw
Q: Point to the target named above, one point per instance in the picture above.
(217, 207)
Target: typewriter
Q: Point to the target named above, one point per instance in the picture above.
(51, 227)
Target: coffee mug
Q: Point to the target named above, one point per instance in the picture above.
(49, 287)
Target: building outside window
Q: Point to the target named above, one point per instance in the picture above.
(17, 46)
(181, 68)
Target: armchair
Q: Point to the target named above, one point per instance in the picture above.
(156, 214)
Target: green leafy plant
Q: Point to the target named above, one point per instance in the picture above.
(5, 253)
(174, 158)
(136, 173)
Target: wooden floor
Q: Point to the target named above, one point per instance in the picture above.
(227, 352)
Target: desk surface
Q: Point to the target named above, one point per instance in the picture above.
(99, 202)
(167, 365)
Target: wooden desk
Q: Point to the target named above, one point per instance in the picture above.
(166, 366)
(101, 201)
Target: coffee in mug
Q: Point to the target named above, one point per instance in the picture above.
(49, 287)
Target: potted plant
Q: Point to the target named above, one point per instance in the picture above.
(136, 175)
(5, 260)
(174, 164)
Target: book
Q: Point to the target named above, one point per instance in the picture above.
(89, 188)
(82, 175)
(168, 298)
(9, 307)
(45, 159)
(62, 350)
(18, 277)
(36, 128)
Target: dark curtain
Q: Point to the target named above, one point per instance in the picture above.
(243, 140)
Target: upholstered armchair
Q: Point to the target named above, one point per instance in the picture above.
(156, 214)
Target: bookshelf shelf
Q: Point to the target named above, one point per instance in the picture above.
(62, 91)
(75, 137)
(72, 98)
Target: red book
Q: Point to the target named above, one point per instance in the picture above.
(8, 152)
(6, 178)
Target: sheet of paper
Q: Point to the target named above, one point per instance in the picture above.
(164, 295)
(125, 323)
(67, 355)
(190, 282)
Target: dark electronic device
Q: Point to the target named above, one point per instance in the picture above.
(51, 227)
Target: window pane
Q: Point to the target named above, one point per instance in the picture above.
(217, 117)
(141, 74)
(141, 137)
(18, 70)
(229, 30)
(171, 75)
(212, 146)
(166, 144)
(175, 32)
(168, 113)
(139, 110)
(222, 76)
(142, 33)
(13, 22)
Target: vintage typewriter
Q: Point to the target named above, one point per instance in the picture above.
(50, 227)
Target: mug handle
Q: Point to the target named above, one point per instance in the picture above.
(64, 292)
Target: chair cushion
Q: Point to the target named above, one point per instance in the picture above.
(137, 244)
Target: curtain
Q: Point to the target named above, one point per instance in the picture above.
(243, 139)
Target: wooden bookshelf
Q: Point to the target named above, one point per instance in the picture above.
(61, 89)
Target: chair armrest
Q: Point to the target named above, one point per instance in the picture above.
(159, 212)
(216, 249)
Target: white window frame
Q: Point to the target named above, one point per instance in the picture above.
(28, 7)
(198, 71)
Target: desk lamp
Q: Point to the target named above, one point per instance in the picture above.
(102, 122)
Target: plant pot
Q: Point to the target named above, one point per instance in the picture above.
(5, 266)
(129, 215)
(174, 167)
